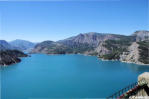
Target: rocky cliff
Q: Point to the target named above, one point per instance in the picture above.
(8, 57)
(132, 55)
(137, 53)
(141, 35)
(102, 50)
(91, 38)
(132, 49)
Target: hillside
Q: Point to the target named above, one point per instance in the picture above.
(104, 45)
(50, 47)
(130, 49)
(144, 51)
(92, 38)
(81, 43)
(141, 35)
(8, 57)
(115, 47)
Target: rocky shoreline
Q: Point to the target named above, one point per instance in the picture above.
(8, 57)
(139, 63)
(135, 63)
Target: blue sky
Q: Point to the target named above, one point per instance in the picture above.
(55, 20)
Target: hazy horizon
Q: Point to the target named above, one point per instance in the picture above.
(57, 20)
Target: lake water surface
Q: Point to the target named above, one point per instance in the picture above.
(66, 76)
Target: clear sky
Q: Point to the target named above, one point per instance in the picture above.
(55, 20)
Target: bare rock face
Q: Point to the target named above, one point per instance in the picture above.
(101, 50)
(91, 38)
(132, 55)
(141, 35)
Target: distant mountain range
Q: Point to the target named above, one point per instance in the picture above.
(133, 48)
(22, 45)
(18, 44)
(10, 52)
(104, 45)
(5, 45)
(76, 44)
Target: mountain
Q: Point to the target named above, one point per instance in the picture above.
(5, 45)
(87, 42)
(107, 46)
(22, 45)
(91, 38)
(8, 57)
(129, 50)
(50, 47)
(81, 43)
(112, 49)
(8, 54)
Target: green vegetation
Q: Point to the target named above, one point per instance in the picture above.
(10, 56)
(81, 48)
(15, 53)
(58, 50)
(116, 47)
(111, 56)
(144, 51)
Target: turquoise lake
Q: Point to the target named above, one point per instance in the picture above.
(66, 76)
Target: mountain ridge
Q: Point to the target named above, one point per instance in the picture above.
(104, 45)
(22, 45)
(5, 45)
